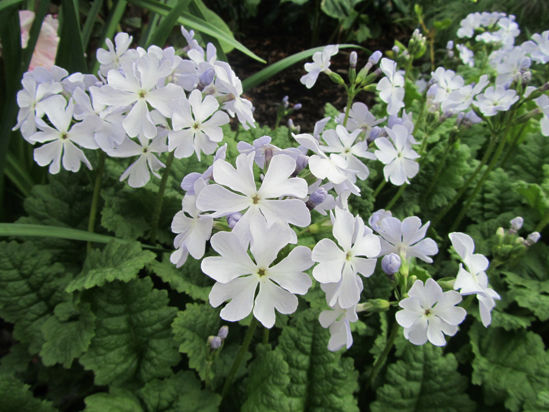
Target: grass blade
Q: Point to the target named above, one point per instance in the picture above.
(90, 21)
(26, 230)
(270, 71)
(162, 32)
(8, 3)
(70, 54)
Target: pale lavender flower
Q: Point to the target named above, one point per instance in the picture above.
(429, 314)
(338, 320)
(495, 99)
(391, 87)
(320, 64)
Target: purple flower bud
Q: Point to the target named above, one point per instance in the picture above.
(187, 184)
(450, 44)
(318, 196)
(353, 58)
(374, 133)
(377, 217)
(516, 224)
(301, 163)
(214, 342)
(223, 332)
(532, 238)
(390, 263)
(297, 106)
(374, 58)
(285, 101)
(206, 78)
(233, 219)
(395, 50)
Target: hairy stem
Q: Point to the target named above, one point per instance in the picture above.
(160, 198)
(378, 365)
(396, 196)
(95, 197)
(239, 357)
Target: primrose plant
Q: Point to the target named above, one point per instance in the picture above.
(280, 224)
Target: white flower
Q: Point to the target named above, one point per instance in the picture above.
(543, 104)
(391, 87)
(196, 126)
(540, 52)
(429, 314)
(405, 238)
(138, 171)
(495, 99)
(361, 118)
(237, 276)
(321, 63)
(398, 155)
(338, 264)
(193, 229)
(338, 320)
(466, 55)
(474, 280)
(110, 59)
(264, 202)
(260, 145)
(62, 138)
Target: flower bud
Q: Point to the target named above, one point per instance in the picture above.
(375, 57)
(233, 219)
(206, 78)
(532, 238)
(223, 332)
(285, 101)
(516, 224)
(375, 132)
(297, 106)
(500, 232)
(377, 217)
(214, 342)
(353, 58)
(390, 263)
(317, 197)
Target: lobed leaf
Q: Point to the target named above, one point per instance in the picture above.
(16, 396)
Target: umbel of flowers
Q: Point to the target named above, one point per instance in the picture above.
(143, 103)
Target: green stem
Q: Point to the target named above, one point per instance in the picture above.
(396, 197)
(477, 188)
(239, 357)
(541, 225)
(379, 187)
(160, 197)
(383, 357)
(266, 335)
(465, 186)
(95, 197)
(350, 97)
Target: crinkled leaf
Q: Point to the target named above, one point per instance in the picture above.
(188, 279)
(530, 294)
(117, 261)
(118, 400)
(423, 380)
(31, 285)
(320, 380)
(178, 393)
(534, 195)
(123, 214)
(133, 336)
(531, 156)
(16, 396)
(267, 383)
(67, 334)
(191, 329)
(339, 9)
(511, 367)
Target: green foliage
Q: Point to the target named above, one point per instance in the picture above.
(319, 379)
(511, 367)
(133, 338)
(117, 261)
(118, 400)
(188, 279)
(31, 285)
(531, 156)
(178, 393)
(67, 334)
(16, 396)
(423, 380)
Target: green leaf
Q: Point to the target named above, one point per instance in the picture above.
(203, 12)
(423, 380)
(162, 32)
(275, 68)
(320, 380)
(31, 285)
(70, 52)
(203, 26)
(534, 195)
(268, 382)
(339, 9)
(511, 367)
(16, 396)
(117, 261)
(118, 400)
(178, 393)
(67, 334)
(530, 294)
(133, 336)
(188, 279)
(8, 3)
(28, 230)
(531, 156)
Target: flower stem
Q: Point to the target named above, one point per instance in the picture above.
(239, 357)
(350, 97)
(95, 197)
(383, 357)
(160, 198)
(379, 187)
(396, 197)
